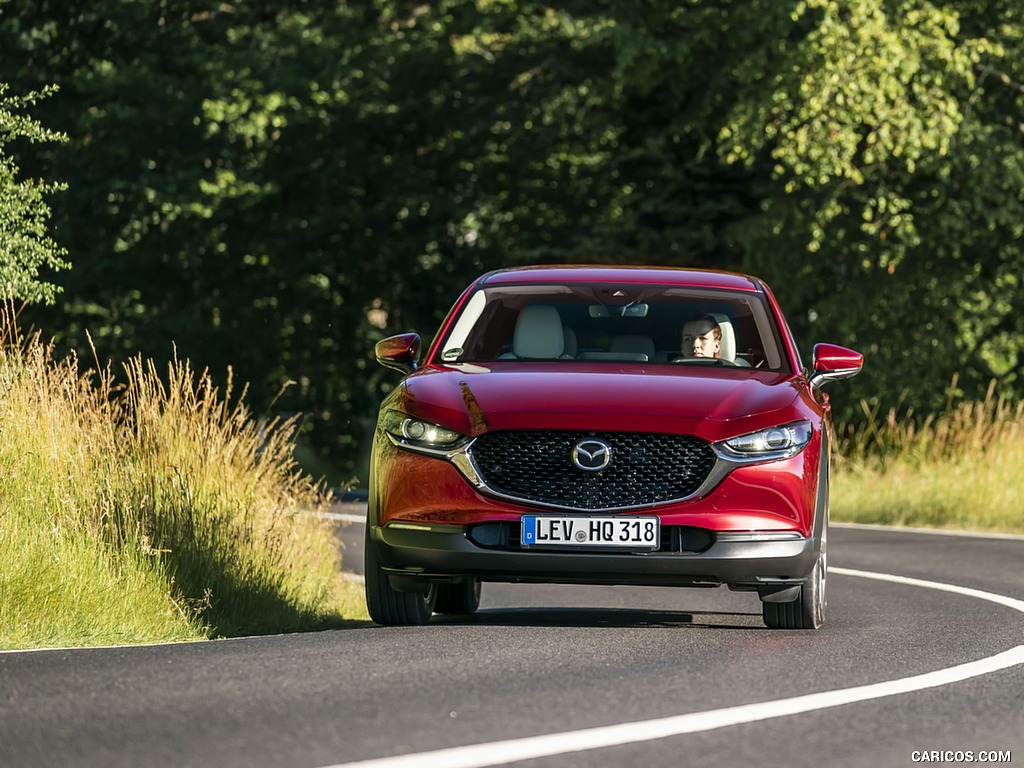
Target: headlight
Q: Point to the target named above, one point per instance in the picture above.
(767, 444)
(416, 433)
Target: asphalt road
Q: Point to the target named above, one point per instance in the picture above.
(567, 660)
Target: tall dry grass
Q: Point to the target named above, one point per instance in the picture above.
(146, 508)
(958, 470)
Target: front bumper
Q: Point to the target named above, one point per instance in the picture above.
(412, 556)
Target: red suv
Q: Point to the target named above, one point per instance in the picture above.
(603, 425)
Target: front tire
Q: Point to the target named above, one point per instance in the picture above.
(386, 605)
(808, 610)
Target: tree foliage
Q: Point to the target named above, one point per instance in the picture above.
(274, 187)
(899, 162)
(26, 246)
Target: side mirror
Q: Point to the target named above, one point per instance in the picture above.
(834, 363)
(399, 352)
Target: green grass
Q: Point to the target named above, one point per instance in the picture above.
(959, 470)
(145, 508)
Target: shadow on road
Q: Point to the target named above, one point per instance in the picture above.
(604, 617)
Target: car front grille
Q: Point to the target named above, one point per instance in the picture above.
(645, 468)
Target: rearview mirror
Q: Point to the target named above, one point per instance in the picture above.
(626, 310)
(402, 352)
(834, 363)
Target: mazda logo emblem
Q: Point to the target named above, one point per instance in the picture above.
(591, 455)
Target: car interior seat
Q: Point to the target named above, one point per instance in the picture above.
(571, 345)
(538, 334)
(633, 344)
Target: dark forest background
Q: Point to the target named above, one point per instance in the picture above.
(272, 187)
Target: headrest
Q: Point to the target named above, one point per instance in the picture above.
(728, 350)
(634, 344)
(538, 333)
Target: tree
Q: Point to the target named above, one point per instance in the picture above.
(884, 156)
(899, 202)
(274, 187)
(26, 246)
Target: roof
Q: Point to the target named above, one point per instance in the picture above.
(697, 278)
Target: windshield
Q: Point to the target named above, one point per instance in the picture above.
(609, 323)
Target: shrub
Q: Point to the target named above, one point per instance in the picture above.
(150, 509)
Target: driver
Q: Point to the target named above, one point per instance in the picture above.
(702, 337)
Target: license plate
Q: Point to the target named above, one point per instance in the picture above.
(589, 531)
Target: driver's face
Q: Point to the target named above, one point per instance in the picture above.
(699, 340)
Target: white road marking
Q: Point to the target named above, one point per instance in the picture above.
(992, 597)
(533, 747)
(933, 531)
(339, 517)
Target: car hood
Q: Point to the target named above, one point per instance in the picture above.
(475, 399)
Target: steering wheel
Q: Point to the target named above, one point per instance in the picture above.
(704, 361)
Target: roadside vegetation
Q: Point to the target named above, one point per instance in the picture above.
(958, 470)
(145, 507)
